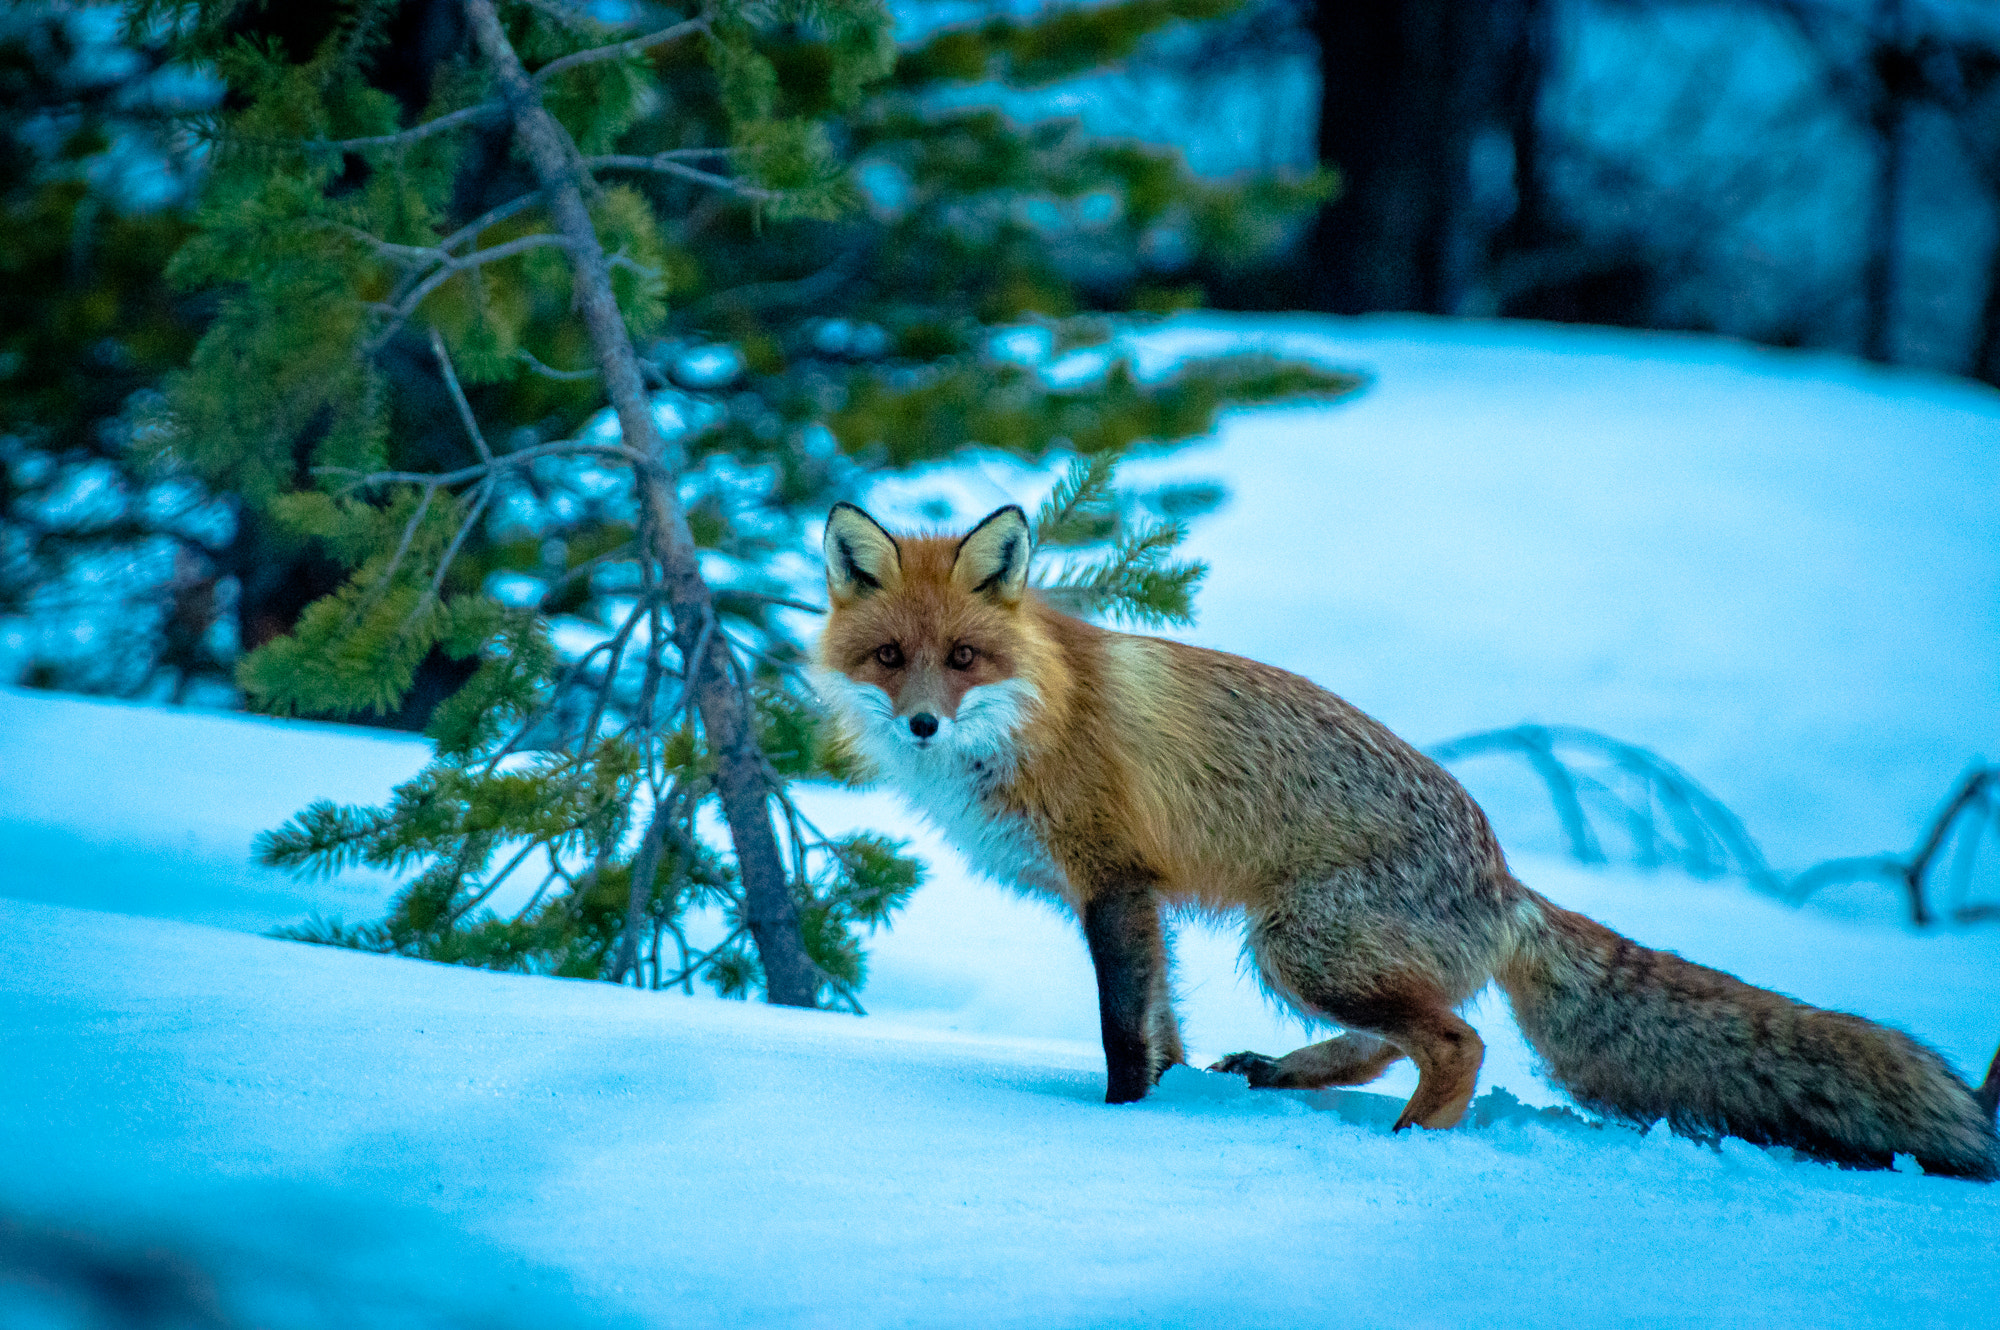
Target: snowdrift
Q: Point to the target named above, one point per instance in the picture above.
(1777, 570)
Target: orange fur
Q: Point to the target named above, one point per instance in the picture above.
(1121, 773)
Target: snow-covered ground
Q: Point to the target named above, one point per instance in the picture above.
(1778, 570)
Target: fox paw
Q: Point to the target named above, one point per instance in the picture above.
(1259, 1070)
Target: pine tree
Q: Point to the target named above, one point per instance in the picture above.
(564, 194)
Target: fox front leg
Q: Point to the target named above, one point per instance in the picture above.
(1128, 948)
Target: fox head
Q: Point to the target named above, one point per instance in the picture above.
(930, 645)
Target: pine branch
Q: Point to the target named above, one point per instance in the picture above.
(1086, 485)
(415, 134)
(1136, 582)
(616, 50)
(665, 164)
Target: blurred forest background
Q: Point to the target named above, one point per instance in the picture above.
(243, 343)
(1821, 173)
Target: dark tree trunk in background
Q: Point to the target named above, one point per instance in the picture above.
(1986, 354)
(277, 577)
(1899, 77)
(1410, 91)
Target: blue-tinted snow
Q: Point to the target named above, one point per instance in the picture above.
(1778, 570)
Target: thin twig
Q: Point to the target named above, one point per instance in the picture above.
(645, 867)
(402, 546)
(691, 670)
(492, 885)
(504, 462)
(450, 120)
(397, 311)
(631, 264)
(567, 16)
(458, 396)
(618, 642)
(451, 551)
(589, 566)
(491, 217)
(527, 357)
(665, 164)
(541, 712)
(536, 899)
(671, 33)
(693, 966)
(785, 601)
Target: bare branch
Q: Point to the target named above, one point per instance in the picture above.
(491, 217)
(399, 310)
(592, 564)
(536, 899)
(632, 265)
(667, 164)
(414, 134)
(458, 396)
(504, 462)
(451, 550)
(618, 645)
(409, 535)
(492, 885)
(536, 716)
(615, 50)
(800, 291)
(527, 358)
(785, 601)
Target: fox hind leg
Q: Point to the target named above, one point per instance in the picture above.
(1447, 1052)
(1411, 1015)
(1352, 1059)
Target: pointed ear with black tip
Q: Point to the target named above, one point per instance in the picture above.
(860, 556)
(993, 558)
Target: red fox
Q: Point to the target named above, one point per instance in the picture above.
(1122, 774)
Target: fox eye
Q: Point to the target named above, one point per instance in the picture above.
(889, 656)
(962, 656)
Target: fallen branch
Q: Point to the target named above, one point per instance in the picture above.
(1973, 802)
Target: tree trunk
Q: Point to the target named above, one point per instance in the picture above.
(1897, 78)
(790, 977)
(1405, 87)
(1986, 355)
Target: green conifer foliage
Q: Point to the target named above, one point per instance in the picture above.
(381, 267)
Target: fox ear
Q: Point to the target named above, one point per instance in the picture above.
(860, 556)
(993, 558)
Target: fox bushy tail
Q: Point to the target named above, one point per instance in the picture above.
(1642, 1035)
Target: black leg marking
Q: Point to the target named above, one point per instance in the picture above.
(1128, 950)
(1259, 1070)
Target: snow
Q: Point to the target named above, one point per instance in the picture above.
(1778, 570)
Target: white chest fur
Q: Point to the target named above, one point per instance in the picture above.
(1001, 844)
(954, 779)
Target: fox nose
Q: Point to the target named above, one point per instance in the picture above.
(923, 725)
